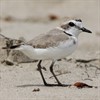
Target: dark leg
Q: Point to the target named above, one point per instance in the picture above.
(51, 69)
(39, 68)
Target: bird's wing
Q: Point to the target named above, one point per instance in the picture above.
(50, 39)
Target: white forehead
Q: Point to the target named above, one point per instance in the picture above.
(78, 23)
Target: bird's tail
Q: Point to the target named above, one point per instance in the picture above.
(11, 47)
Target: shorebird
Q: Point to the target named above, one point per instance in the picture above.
(56, 44)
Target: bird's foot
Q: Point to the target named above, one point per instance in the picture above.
(62, 85)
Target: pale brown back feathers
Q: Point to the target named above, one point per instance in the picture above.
(50, 39)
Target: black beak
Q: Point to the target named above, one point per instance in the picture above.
(85, 30)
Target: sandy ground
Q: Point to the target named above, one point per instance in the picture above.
(24, 19)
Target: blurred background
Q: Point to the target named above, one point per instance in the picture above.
(37, 10)
(29, 18)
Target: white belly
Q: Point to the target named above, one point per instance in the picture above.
(61, 51)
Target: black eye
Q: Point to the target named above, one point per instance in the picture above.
(71, 24)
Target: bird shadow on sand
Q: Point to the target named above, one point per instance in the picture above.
(41, 85)
(30, 85)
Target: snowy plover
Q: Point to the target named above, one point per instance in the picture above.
(56, 44)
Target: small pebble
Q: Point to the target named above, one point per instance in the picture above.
(36, 90)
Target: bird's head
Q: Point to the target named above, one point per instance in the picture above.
(74, 27)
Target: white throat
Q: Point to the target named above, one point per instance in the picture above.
(75, 32)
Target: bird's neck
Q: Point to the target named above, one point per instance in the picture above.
(74, 33)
